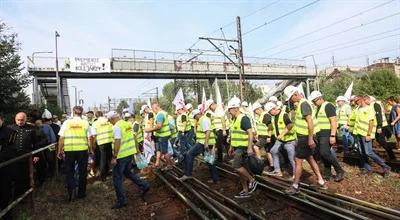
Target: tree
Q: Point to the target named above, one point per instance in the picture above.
(12, 81)
(122, 104)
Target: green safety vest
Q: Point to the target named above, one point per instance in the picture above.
(201, 135)
(75, 137)
(342, 116)
(139, 134)
(322, 118)
(216, 122)
(239, 137)
(300, 124)
(352, 119)
(165, 130)
(290, 136)
(104, 131)
(127, 147)
(362, 122)
(179, 123)
(262, 129)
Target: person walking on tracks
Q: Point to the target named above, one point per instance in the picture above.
(75, 143)
(395, 119)
(306, 127)
(102, 133)
(205, 142)
(241, 147)
(327, 125)
(123, 150)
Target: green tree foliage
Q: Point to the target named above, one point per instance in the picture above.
(123, 104)
(380, 83)
(12, 82)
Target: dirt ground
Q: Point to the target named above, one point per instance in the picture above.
(51, 203)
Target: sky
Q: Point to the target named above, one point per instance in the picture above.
(348, 30)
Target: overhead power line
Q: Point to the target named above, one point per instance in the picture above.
(328, 26)
(334, 34)
(329, 49)
(280, 17)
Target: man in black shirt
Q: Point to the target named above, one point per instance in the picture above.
(327, 123)
(25, 140)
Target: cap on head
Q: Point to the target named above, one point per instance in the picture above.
(314, 95)
(273, 99)
(341, 98)
(195, 112)
(289, 91)
(256, 106)
(127, 115)
(112, 114)
(234, 103)
(269, 106)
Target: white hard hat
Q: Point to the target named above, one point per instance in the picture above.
(269, 106)
(188, 106)
(234, 103)
(195, 112)
(341, 98)
(256, 106)
(125, 110)
(289, 91)
(314, 95)
(279, 104)
(127, 115)
(273, 99)
(112, 114)
(373, 99)
(144, 107)
(178, 107)
(208, 104)
(47, 114)
(245, 104)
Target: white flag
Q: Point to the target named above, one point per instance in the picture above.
(179, 100)
(218, 97)
(348, 92)
(149, 103)
(300, 88)
(203, 101)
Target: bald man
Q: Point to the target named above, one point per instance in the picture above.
(25, 141)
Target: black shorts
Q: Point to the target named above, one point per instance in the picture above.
(303, 151)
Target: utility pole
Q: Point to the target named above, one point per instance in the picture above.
(109, 103)
(59, 100)
(240, 58)
(333, 61)
(157, 93)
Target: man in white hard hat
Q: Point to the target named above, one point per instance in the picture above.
(241, 143)
(343, 113)
(218, 125)
(184, 127)
(192, 121)
(305, 126)
(327, 124)
(273, 99)
(286, 138)
(263, 131)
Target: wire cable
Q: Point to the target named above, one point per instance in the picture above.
(337, 33)
(327, 26)
(280, 17)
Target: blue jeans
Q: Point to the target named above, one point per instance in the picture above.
(366, 151)
(123, 168)
(289, 147)
(191, 155)
(162, 144)
(347, 138)
(190, 138)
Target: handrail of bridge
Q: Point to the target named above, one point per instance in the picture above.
(30, 190)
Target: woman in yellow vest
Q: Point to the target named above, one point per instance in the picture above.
(241, 146)
(75, 143)
(123, 151)
(205, 142)
(282, 127)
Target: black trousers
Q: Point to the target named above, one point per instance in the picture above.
(21, 176)
(220, 139)
(41, 167)
(381, 139)
(51, 162)
(79, 158)
(5, 189)
(105, 159)
(326, 155)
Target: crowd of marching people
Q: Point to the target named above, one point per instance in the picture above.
(271, 139)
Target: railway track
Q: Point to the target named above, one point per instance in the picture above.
(350, 207)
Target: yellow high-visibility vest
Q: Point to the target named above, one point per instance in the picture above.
(342, 116)
(300, 124)
(362, 121)
(179, 123)
(239, 137)
(290, 136)
(384, 120)
(322, 118)
(75, 137)
(139, 134)
(127, 147)
(104, 131)
(262, 129)
(164, 131)
(201, 135)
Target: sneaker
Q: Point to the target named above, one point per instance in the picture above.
(275, 173)
(323, 186)
(292, 191)
(290, 178)
(242, 195)
(340, 176)
(252, 186)
(184, 177)
(386, 172)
